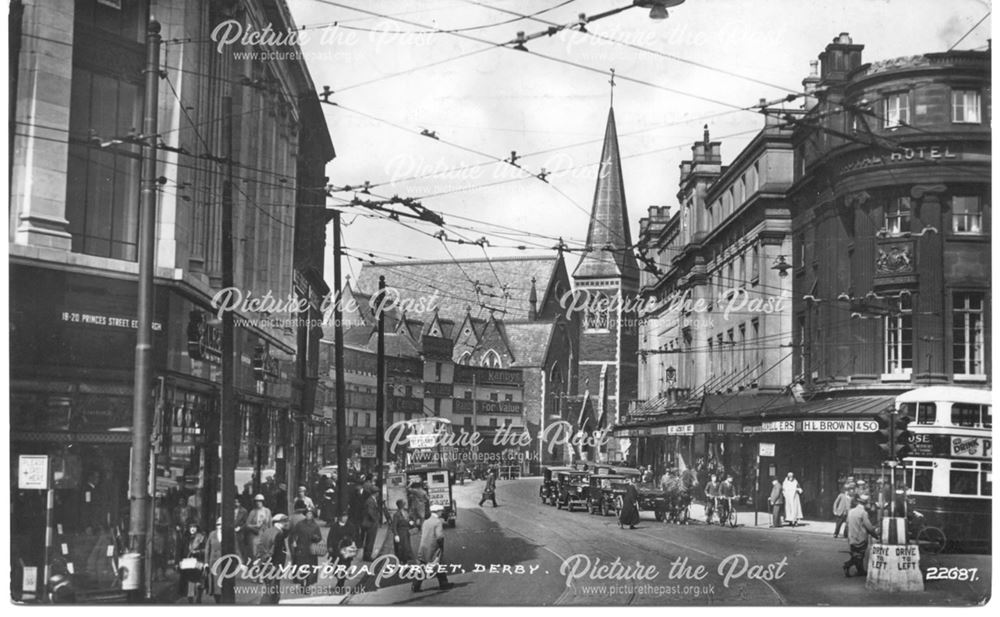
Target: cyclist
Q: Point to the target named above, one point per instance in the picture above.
(726, 494)
(712, 497)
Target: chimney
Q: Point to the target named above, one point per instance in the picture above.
(840, 58)
(706, 150)
(809, 86)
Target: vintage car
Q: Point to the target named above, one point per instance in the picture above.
(438, 481)
(571, 489)
(603, 492)
(651, 497)
(549, 490)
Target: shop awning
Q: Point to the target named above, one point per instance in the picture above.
(850, 406)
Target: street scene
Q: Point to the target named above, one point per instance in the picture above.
(500, 303)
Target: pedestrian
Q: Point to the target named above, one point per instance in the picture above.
(192, 565)
(306, 540)
(859, 527)
(328, 506)
(629, 514)
(460, 472)
(280, 499)
(369, 521)
(711, 496)
(239, 521)
(431, 551)
(400, 527)
(304, 498)
(272, 550)
(258, 520)
(793, 504)
(418, 503)
(490, 489)
(841, 506)
(213, 551)
(341, 546)
(776, 501)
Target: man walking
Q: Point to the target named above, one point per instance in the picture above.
(400, 528)
(271, 549)
(841, 506)
(369, 521)
(859, 527)
(258, 520)
(431, 550)
(490, 490)
(776, 501)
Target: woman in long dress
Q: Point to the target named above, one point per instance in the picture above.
(793, 505)
(629, 514)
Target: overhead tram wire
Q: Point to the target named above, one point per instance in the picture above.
(509, 44)
(584, 30)
(976, 25)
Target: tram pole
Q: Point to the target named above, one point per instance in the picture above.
(380, 393)
(338, 352)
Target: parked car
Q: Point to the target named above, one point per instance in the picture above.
(549, 490)
(603, 492)
(571, 489)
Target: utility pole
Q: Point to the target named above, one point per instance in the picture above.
(143, 384)
(227, 408)
(380, 390)
(338, 353)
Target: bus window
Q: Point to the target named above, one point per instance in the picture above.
(966, 414)
(987, 416)
(964, 479)
(919, 476)
(986, 478)
(926, 413)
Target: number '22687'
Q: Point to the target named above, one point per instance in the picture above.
(952, 574)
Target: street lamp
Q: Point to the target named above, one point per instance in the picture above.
(781, 265)
(657, 8)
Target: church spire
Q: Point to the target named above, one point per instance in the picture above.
(609, 241)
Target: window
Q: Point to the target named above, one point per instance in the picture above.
(743, 268)
(507, 421)
(368, 420)
(971, 415)
(896, 111)
(897, 215)
(968, 337)
(966, 215)
(468, 394)
(437, 371)
(408, 391)
(467, 422)
(964, 478)
(491, 359)
(899, 338)
(755, 263)
(755, 177)
(355, 422)
(508, 397)
(493, 422)
(494, 396)
(923, 413)
(965, 106)
(465, 357)
(919, 475)
(437, 405)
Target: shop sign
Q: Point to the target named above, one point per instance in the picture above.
(779, 426)
(971, 447)
(681, 429)
(108, 321)
(405, 404)
(433, 389)
(492, 376)
(839, 426)
(929, 154)
(426, 440)
(498, 407)
(33, 472)
(204, 340)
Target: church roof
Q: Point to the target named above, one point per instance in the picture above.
(502, 284)
(529, 341)
(609, 227)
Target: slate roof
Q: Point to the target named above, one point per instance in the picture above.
(455, 282)
(529, 341)
(608, 217)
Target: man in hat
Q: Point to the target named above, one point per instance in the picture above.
(300, 495)
(431, 551)
(271, 549)
(859, 527)
(258, 520)
(370, 519)
(777, 502)
(328, 506)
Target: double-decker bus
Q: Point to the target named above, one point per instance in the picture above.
(949, 470)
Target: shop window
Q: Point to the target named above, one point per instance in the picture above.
(968, 334)
(964, 478)
(897, 215)
(967, 215)
(896, 110)
(899, 338)
(965, 106)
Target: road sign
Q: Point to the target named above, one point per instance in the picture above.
(367, 451)
(766, 449)
(33, 472)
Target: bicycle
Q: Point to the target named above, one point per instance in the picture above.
(726, 511)
(930, 539)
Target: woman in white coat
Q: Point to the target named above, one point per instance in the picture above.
(793, 505)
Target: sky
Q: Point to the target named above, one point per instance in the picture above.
(499, 100)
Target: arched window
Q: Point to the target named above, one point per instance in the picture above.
(491, 359)
(555, 375)
(464, 358)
